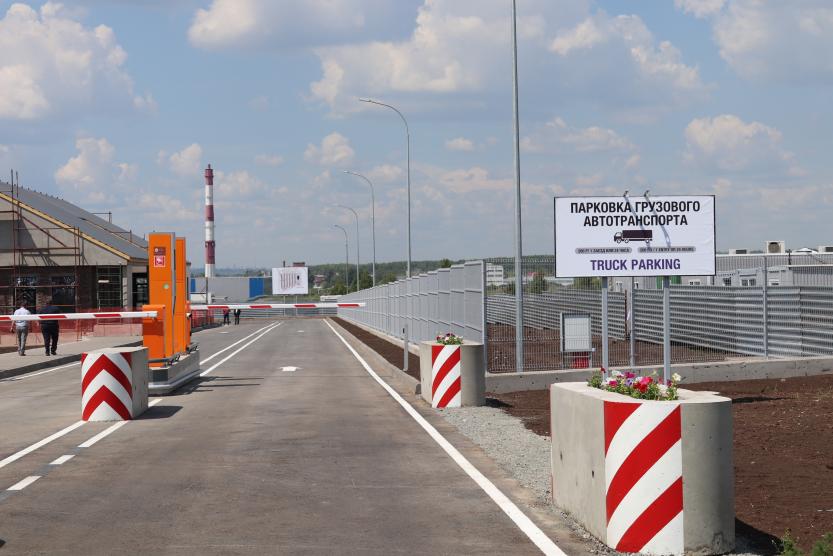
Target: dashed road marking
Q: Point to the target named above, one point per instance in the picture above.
(17, 455)
(24, 483)
(63, 459)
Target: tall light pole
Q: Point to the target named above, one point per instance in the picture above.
(372, 217)
(408, 151)
(519, 285)
(346, 258)
(358, 257)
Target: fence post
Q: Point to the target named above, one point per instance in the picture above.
(766, 307)
(605, 346)
(666, 328)
(484, 332)
(631, 336)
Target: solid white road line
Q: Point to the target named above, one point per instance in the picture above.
(30, 375)
(538, 537)
(16, 456)
(24, 483)
(63, 459)
(235, 352)
(209, 358)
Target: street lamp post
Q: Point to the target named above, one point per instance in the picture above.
(408, 152)
(346, 258)
(358, 257)
(519, 285)
(372, 217)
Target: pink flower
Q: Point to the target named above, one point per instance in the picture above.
(613, 383)
(630, 375)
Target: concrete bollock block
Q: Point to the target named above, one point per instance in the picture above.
(654, 477)
(114, 384)
(452, 376)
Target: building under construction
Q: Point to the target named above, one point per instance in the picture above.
(53, 250)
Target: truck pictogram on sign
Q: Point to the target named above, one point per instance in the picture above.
(633, 235)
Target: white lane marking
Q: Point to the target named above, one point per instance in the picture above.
(63, 459)
(106, 432)
(24, 483)
(289, 369)
(300, 330)
(30, 375)
(112, 428)
(235, 352)
(209, 358)
(16, 456)
(541, 540)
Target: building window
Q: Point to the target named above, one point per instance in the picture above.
(109, 289)
(753, 282)
(63, 293)
(727, 281)
(694, 282)
(775, 282)
(25, 291)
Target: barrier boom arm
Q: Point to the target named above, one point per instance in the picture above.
(81, 316)
(278, 306)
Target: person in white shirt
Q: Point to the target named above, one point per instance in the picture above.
(21, 328)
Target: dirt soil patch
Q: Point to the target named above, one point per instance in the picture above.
(390, 351)
(542, 351)
(783, 452)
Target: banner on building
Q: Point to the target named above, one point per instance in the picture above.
(290, 281)
(634, 236)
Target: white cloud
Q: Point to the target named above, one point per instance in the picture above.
(700, 8)
(93, 172)
(188, 161)
(556, 135)
(259, 103)
(289, 23)
(164, 208)
(459, 144)
(772, 41)
(50, 64)
(237, 185)
(463, 46)
(472, 179)
(269, 160)
(385, 173)
(335, 150)
(727, 143)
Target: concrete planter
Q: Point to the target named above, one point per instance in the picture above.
(452, 376)
(645, 476)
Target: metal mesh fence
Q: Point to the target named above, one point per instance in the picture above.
(445, 300)
(708, 323)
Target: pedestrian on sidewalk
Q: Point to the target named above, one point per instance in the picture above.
(21, 328)
(49, 328)
(237, 316)
(226, 317)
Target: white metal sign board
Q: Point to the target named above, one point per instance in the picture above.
(634, 236)
(290, 281)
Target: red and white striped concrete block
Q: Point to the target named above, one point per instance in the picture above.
(106, 387)
(644, 477)
(445, 376)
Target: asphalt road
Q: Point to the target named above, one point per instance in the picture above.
(250, 459)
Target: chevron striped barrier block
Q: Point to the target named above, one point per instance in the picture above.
(114, 384)
(452, 376)
(645, 476)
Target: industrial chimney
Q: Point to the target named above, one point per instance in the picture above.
(209, 222)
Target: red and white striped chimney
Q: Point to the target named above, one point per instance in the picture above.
(209, 222)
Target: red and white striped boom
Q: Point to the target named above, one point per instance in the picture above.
(153, 315)
(278, 306)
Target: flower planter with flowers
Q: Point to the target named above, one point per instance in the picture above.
(643, 465)
(452, 372)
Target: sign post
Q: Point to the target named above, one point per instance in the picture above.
(600, 237)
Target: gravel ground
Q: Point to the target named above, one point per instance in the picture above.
(526, 456)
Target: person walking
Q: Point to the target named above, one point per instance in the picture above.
(237, 316)
(49, 328)
(226, 317)
(21, 328)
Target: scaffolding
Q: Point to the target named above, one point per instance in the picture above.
(16, 283)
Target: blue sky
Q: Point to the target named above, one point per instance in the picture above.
(119, 105)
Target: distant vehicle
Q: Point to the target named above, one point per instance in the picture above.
(633, 235)
(329, 298)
